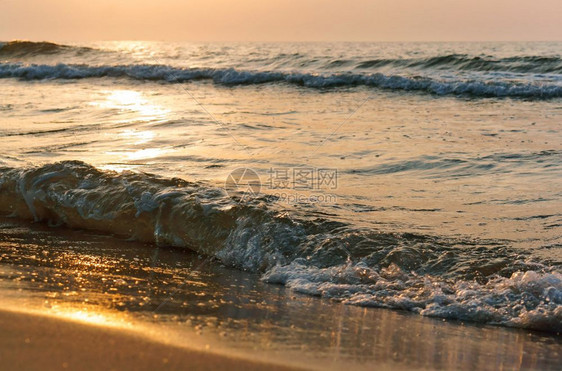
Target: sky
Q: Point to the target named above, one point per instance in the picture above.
(281, 20)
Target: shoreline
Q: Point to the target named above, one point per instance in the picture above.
(66, 291)
(43, 342)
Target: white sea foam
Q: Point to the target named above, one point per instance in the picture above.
(525, 299)
(229, 76)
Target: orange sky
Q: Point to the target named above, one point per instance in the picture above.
(281, 20)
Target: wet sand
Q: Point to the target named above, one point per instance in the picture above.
(35, 342)
(69, 279)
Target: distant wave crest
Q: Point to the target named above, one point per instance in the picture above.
(20, 48)
(550, 64)
(538, 64)
(464, 62)
(229, 76)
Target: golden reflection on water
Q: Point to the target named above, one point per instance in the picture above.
(140, 108)
(148, 153)
(82, 315)
(138, 137)
(90, 314)
(134, 101)
(134, 155)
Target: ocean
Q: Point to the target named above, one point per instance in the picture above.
(420, 177)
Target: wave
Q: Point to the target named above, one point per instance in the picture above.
(233, 77)
(449, 62)
(534, 64)
(464, 62)
(436, 166)
(20, 48)
(482, 281)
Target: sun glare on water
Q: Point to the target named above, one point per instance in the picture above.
(135, 107)
(88, 317)
(140, 108)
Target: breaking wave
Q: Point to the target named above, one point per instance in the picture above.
(464, 62)
(481, 281)
(537, 64)
(548, 64)
(231, 77)
(20, 48)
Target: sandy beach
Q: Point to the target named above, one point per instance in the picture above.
(36, 342)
